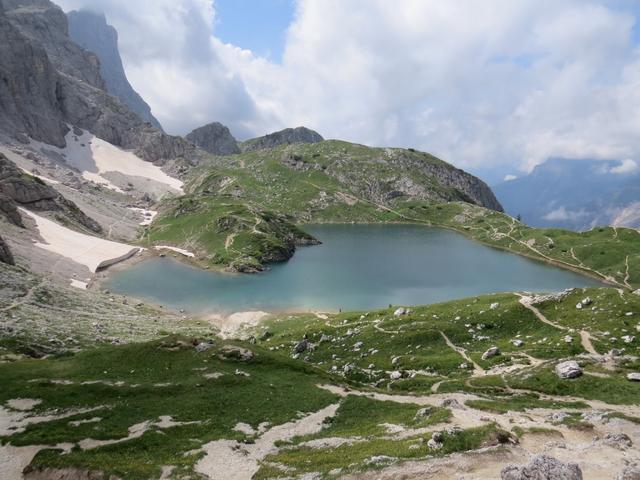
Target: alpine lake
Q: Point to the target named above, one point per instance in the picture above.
(357, 267)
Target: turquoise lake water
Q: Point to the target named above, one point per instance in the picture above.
(357, 267)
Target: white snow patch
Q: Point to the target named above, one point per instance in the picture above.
(94, 157)
(181, 251)
(92, 252)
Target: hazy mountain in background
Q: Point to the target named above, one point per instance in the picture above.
(575, 194)
(91, 31)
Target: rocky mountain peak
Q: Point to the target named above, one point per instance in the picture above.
(283, 137)
(48, 82)
(214, 138)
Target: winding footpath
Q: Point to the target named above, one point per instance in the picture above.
(585, 337)
(477, 369)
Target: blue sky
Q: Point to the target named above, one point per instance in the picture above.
(495, 89)
(257, 25)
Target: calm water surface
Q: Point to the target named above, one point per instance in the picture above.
(357, 267)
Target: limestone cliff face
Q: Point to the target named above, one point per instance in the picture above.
(48, 82)
(214, 138)
(44, 24)
(92, 32)
(449, 176)
(283, 137)
(18, 188)
(30, 88)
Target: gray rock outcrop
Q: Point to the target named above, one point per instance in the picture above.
(5, 253)
(47, 82)
(232, 352)
(490, 353)
(214, 138)
(29, 87)
(542, 467)
(9, 210)
(618, 440)
(630, 472)
(92, 32)
(408, 168)
(18, 188)
(569, 369)
(282, 137)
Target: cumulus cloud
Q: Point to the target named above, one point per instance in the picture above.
(626, 166)
(171, 60)
(562, 214)
(480, 84)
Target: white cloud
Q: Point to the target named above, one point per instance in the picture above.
(626, 166)
(508, 178)
(562, 214)
(171, 60)
(479, 85)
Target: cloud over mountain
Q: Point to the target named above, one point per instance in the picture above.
(480, 84)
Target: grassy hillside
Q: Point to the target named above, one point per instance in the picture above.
(241, 209)
(608, 253)
(369, 390)
(226, 232)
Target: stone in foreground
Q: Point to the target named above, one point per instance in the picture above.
(569, 369)
(542, 467)
(231, 352)
(492, 352)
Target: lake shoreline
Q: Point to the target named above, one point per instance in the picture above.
(430, 271)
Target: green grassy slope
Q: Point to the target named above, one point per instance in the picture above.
(224, 232)
(339, 182)
(103, 392)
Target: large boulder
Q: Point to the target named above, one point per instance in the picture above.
(542, 467)
(231, 352)
(214, 138)
(5, 253)
(568, 369)
(490, 353)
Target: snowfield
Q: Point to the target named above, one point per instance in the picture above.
(92, 252)
(94, 158)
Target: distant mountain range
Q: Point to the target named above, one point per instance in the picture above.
(575, 194)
